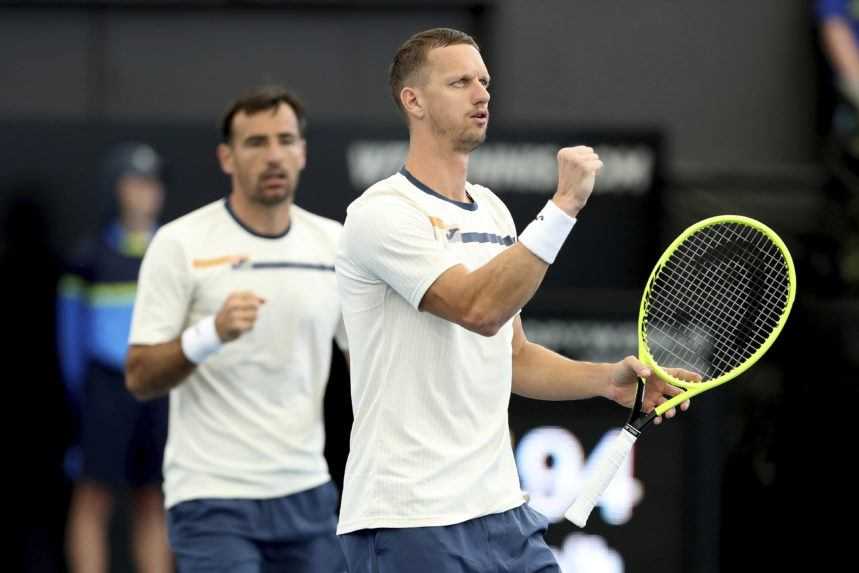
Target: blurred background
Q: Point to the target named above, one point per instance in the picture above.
(698, 108)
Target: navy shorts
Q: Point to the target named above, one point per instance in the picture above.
(511, 541)
(122, 439)
(295, 534)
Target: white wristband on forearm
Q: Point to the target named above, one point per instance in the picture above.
(200, 340)
(547, 232)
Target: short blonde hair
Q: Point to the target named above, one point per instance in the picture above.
(412, 56)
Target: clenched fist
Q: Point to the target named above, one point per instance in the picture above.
(237, 315)
(577, 170)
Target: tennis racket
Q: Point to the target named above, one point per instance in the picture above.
(714, 304)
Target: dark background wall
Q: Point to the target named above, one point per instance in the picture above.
(731, 82)
(732, 86)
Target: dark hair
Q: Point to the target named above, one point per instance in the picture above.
(260, 99)
(412, 55)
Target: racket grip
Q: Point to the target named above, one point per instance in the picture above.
(600, 478)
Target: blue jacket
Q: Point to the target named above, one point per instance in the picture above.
(95, 302)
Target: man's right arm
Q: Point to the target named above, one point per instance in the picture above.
(153, 370)
(840, 47)
(842, 51)
(155, 361)
(484, 299)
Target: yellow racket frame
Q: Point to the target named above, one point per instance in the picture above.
(695, 388)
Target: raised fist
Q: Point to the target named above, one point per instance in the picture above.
(237, 315)
(577, 170)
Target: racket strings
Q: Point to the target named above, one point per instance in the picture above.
(732, 303)
(716, 300)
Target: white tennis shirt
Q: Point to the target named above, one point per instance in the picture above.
(431, 443)
(247, 423)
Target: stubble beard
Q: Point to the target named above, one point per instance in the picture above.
(468, 142)
(465, 141)
(266, 198)
(262, 197)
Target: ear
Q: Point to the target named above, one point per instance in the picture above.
(412, 101)
(225, 158)
(303, 154)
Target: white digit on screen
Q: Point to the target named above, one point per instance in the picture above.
(550, 461)
(582, 552)
(624, 492)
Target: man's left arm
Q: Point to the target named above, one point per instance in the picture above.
(542, 374)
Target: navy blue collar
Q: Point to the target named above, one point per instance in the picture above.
(248, 229)
(426, 189)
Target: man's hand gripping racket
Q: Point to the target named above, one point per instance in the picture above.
(714, 304)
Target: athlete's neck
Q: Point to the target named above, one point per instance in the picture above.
(270, 220)
(442, 170)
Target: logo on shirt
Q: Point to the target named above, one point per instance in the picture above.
(244, 263)
(235, 261)
(453, 234)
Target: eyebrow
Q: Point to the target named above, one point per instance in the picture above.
(281, 135)
(468, 75)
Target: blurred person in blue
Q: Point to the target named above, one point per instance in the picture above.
(235, 317)
(839, 36)
(832, 247)
(121, 441)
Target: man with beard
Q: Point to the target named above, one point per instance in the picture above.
(431, 279)
(235, 314)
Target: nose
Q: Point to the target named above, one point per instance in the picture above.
(275, 152)
(481, 93)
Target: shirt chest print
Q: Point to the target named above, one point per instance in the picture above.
(244, 263)
(453, 234)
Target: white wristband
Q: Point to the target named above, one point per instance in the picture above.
(547, 232)
(200, 340)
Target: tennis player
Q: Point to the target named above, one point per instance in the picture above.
(432, 277)
(235, 314)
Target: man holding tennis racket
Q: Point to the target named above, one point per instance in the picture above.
(432, 278)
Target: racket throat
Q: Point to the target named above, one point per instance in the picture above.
(636, 426)
(635, 413)
(632, 430)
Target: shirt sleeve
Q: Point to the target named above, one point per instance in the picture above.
(825, 9)
(164, 293)
(392, 240)
(71, 331)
